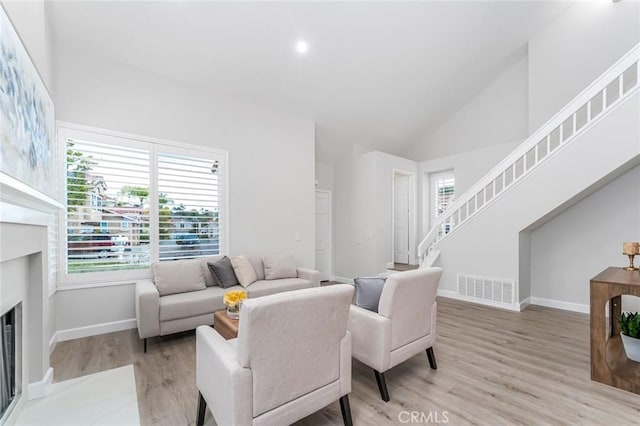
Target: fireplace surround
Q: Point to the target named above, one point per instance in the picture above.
(24, 282)
(10, 359)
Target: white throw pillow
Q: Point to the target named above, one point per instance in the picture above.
(278, 267)
(178, 276)
(244, 270)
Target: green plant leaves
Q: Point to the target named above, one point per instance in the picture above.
(630, 324)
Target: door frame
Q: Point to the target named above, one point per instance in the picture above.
(330, 194)
(412, 214)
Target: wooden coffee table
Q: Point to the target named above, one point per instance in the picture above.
(225, 326)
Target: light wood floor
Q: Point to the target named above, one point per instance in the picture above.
(495, 367)
(404, 267)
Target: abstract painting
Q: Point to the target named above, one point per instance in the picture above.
(27, 145)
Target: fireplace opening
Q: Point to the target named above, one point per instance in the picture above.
(9, 362)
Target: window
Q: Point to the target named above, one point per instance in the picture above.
(443, 187)
(96, 201)
(188, 206)
(131, 202)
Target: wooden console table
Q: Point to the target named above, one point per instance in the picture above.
(609, 364)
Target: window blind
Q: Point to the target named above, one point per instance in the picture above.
(188, 205)
(107, 187)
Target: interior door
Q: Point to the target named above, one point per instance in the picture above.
(323, 234)
(401, 218)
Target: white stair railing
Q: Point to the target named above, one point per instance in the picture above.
(608, 91)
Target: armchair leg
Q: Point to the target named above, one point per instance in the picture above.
(145, 346)
(432, 358)
(346, 411)
(382, 386)
(202, 406)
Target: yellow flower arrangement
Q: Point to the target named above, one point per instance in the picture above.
(233, 298)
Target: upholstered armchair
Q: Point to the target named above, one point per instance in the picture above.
(292, 357)
(404, 325)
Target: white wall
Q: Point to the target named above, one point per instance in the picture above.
(496, 115)
(572, 248)
(30, 21)
(271, 160)
(489, 245)
(324, 175)
(363, 206)
(354, 199)
(571, 52)
(468, 167)
(385, 165)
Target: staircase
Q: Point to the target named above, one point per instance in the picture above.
(487, 227)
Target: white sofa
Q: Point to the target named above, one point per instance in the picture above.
(159, 315)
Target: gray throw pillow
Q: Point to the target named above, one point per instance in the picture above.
(222, 272)
(368, 291)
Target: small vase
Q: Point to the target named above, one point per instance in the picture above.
(233, 312)
(631, 347)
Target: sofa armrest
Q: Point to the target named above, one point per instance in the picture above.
(147, 309)
(371, 338)
(310, 275)
(224, 383)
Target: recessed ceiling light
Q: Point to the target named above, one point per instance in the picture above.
(301, 47)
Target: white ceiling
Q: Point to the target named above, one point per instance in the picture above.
(381, 74)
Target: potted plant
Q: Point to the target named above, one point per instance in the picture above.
(630, 327)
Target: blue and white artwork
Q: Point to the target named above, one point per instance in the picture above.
(27, 146)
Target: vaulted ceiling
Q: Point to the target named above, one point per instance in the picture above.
(380, 74)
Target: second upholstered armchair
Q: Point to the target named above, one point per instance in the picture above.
(292, 357)
(404, 325)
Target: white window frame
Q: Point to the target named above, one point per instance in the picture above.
(66, 130)
(433, 214)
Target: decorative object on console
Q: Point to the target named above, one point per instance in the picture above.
(233, 302)
(27, 143)
(368, 291)
(631, 249)
(630, 333)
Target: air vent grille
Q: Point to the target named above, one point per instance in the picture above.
(487, 289)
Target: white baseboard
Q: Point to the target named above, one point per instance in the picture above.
(39, 389)
(526, 302)
(559, 304)
(447, 293)
(454, 295)
(342, 279)
(391, 265)
(94, 330)
(549, 303)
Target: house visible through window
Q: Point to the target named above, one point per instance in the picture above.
(121, 219)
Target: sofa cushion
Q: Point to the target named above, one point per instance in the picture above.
(368, 291)
(266, 287)
(178, 276)
(256, 262)
(222, 272)
(244, 271)
(209, 278)
(193, 303)
(278, 267)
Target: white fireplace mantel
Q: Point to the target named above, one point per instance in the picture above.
(25, 214)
